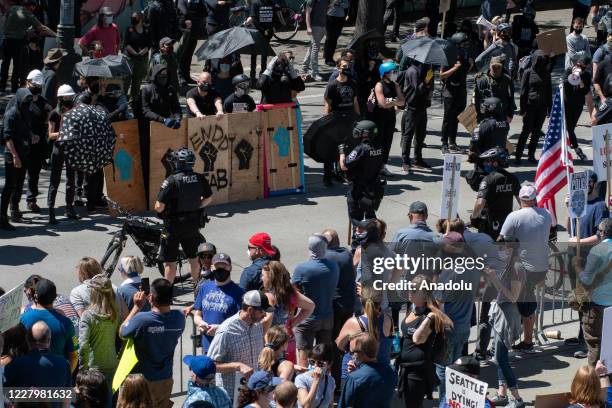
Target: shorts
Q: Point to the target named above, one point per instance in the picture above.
(189, 240)
(313, 329)
(528, 304)
(160, 392)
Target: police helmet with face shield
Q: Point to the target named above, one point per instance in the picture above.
(184, 159)
(365, 129)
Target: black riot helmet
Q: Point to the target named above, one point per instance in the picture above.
(491, 106)
(459, 38)
(239, 79)
(184, 159)
(365, 129)
(495, 154)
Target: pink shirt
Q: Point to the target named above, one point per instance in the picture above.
(109, 37)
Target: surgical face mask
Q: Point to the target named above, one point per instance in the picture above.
(488, 167)
(224, 67)
(108, 20)
(393, 76)
(221, 275)
(204, 86)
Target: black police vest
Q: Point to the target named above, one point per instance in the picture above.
(189, 193)
(492, 133)
(499, 204)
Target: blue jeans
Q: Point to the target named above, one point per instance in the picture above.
(505, 374)
(457, 338)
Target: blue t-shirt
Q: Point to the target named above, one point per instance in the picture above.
(345, 291)
(609, 402)
(250, 279)
(596, 212)
(155, 337)
(317, 280)
(38, 368)
(63, 336)
(217, 303)
(127, 291)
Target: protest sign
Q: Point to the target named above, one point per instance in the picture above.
(484, 22)
(10, 308)
(552, 41)
(468, 118)
(450, 185)
(602, 156)
(579, 187)
(238, 378)
(464, 391)
(444, 6)
(559, 400)
(606, 333)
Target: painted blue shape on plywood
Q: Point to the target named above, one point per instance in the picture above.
(124, 162)
(281, 138)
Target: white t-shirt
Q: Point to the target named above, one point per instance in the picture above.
(531, 226)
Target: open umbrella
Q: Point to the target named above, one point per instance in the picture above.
(433, 51)
(322, 138)
(370, 39)
(240, 40)
(87, 138)
(111, 66)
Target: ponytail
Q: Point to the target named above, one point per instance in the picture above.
(276, 337)
(370, 299)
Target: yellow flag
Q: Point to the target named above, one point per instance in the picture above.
(429, 75)
(126, 364)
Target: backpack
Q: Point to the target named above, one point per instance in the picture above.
(152, 9)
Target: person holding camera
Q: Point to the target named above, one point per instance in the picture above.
(280, 80)
(180, 201)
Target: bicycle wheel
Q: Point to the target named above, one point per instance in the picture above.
(555, 273)
(287, 23)
(111, 257)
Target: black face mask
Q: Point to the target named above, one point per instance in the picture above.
(161, 80)
(221, 275)
(36, 90)
(204, 87)
(135, 22)
(578, 31)
(345, 71)
(94, 88)
(67, 104)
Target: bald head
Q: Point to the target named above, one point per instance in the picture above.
(205, 77)
(331, 235)
(39, 336)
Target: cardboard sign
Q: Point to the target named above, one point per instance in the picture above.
(450, 185)
(606, 346)
(484, 23)
(560, 400)
(444, 6)
(162, 141)
(600, 164)
(579, 188)
(552, 41)
(10, 308)
(124, 180)
(237, 386)
(468, 118)
(463, 391)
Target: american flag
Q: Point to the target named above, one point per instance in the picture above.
(556, 159)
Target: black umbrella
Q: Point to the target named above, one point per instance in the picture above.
(362, 42)
(87, 138)
(239, 40)
(322, 138)
(111, 66)
(433, 51)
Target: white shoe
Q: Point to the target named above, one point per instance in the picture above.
(385, 172)
(318, 78)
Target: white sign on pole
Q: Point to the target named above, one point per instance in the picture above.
(10, 308)
(444, 6)
(450, 185)
(599, 150)
(237, 387)
(606, 346)
(463, 391)
(579, 188)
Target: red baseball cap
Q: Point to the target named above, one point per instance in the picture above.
(262, 240)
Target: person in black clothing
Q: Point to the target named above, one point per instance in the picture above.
(491, 132)
(576, 85)
(162, 20)
(262, 17)
(191, 14)
(604, 69)
(393, 14)
(524, 31)
(495, 83)
(495, 194)
(603, 114)
(239, 100)
(278, 82)
(218, 13)
(536, 103)
(158, 103)
(334, 22)
(203, 100)
(65, 95)
(50, 81)
(417, 83)
(137, 43)
(180, 201)
(455, 91)
(115, 103)
(17, 138)
(363, 164)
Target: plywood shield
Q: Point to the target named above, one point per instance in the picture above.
(163, 140)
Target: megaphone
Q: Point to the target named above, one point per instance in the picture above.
(574, 77)
(485, 23)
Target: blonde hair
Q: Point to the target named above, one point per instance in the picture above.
(134, 393)
(442, 321)
(275, 338)
(102, 297)
(371, 300)
(131, 264)
(586, 388)
(88, 268)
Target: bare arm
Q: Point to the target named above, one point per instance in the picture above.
(194, 108)
(445, 74)
(422, 333)
(326, 106)
(219, 106)
(478, 207)
(350, 327)
(306, 307)
(380, 97)
(205, 202)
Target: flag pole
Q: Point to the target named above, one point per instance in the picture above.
(608, 170)
(564, 147)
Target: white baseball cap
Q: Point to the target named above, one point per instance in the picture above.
(65, 90)
(35, 77)
(528, 193)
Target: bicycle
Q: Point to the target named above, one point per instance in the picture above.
(287, 21)
(146, 234)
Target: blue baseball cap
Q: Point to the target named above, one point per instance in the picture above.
(202, 366)
(262, 379)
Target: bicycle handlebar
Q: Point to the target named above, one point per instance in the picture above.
(128, 215)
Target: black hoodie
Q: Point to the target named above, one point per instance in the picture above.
(159, 102)
(16, 125)
(536, 87)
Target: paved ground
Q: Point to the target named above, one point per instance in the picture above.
(54, 251)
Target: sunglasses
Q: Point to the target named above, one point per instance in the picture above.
(317, 363)
(205, 256)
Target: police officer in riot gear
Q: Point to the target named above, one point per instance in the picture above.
(495, 194)
(491, 132)
(180, 201)
(363, 164)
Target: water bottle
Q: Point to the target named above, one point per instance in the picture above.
(396, 342)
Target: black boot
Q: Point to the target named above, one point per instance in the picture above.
(5, 224)
(71, 213)
(17, 217)
(52, 219)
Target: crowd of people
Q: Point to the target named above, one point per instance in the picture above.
(322, 333)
